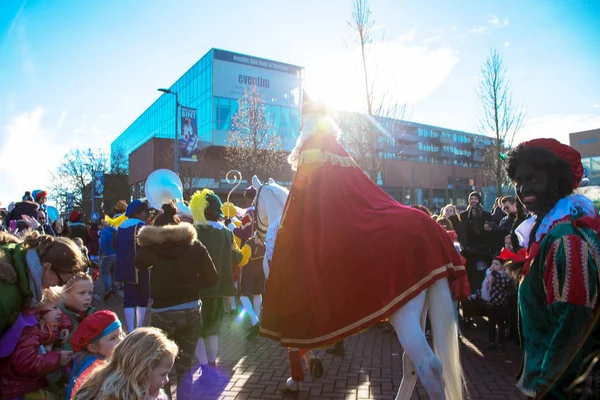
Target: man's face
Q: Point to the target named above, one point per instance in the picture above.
(509, 208)
(531, 184)
(473, 201)
(41, 218)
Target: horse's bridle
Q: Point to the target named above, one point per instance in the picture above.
(260, 232)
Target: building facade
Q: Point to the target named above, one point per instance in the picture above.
(424, 164)
(588, 145)
(421, 164)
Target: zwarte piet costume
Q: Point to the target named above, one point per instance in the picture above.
(558, 295)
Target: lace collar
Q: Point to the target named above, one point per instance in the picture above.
(571, 205)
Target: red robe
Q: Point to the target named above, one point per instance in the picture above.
(347, 255)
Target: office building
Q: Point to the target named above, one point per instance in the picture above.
(588, 145)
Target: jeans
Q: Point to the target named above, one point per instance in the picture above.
(107, 270)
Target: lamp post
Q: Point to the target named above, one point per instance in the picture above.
(176, 150)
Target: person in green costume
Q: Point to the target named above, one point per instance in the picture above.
(559, 281)
(218, 240)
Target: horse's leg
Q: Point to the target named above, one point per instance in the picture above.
(409, 373)
(406, 322)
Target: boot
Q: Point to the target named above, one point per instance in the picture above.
(337, 350)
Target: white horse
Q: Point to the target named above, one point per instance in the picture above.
(440, 371)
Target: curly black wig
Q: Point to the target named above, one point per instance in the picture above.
(561, 180)
(560, 184)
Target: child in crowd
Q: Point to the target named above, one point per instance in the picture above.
(494, 291)
(77, 303)
(34, 363)
(93, 340)
(138, 369)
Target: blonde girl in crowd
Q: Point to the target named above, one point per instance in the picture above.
(138, 369)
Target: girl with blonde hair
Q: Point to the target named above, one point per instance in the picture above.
(138, 369)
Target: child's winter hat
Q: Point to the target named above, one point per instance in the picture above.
(93, 328)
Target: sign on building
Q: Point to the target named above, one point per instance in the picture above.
(188, 138)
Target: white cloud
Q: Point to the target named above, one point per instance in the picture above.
(505, 23)
(479, 30)
(408, 36)
(432, 39)
(557, 126)
(494, 20)
(399, 71)
(506, 44)
(596, 105)
(31, 147)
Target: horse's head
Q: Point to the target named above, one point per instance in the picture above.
(269, 202)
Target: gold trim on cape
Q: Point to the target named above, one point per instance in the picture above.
(377, 315)
(321, 157)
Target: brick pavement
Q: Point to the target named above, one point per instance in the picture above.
(371, 369)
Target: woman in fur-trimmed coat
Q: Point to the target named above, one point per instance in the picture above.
(181, 266)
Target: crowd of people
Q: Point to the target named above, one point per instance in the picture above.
(54, 343)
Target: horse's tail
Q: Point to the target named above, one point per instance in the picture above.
(445, 337)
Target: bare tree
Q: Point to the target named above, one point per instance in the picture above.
(74, 174)
(74, 177)
(500, 119)
(365, 134)
(255, 146)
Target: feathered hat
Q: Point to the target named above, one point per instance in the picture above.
(205, 202)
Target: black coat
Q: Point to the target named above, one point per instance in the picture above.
(180, 264)
(477, 236)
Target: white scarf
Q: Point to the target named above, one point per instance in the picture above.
(486, 286)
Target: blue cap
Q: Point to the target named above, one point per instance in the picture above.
(135, 207)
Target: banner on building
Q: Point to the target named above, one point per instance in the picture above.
(188, 139)
(98, 184)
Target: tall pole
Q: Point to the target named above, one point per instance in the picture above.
(93, 194)
(176, 169)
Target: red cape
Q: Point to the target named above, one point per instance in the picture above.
(347, 255)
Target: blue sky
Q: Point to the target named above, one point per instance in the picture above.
(77, 73)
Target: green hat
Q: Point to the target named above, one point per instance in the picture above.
(207, 202)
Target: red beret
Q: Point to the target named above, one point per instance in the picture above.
(94, 327)
(74, 216)
(564, 152)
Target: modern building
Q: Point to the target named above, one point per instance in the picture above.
(421, 164)
(208, 96)
(588, 145)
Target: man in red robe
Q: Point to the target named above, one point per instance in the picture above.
(347, 255)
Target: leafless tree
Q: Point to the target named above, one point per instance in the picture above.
(501, 118)
(255, 146)
(75, 175)
(365, 135)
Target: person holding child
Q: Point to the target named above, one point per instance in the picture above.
(34, 363)
(93, 340)
(138, 369)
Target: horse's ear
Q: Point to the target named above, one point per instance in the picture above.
(256, 182)
(271, 181)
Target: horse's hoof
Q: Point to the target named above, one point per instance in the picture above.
(316, 368)
(292, 386)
